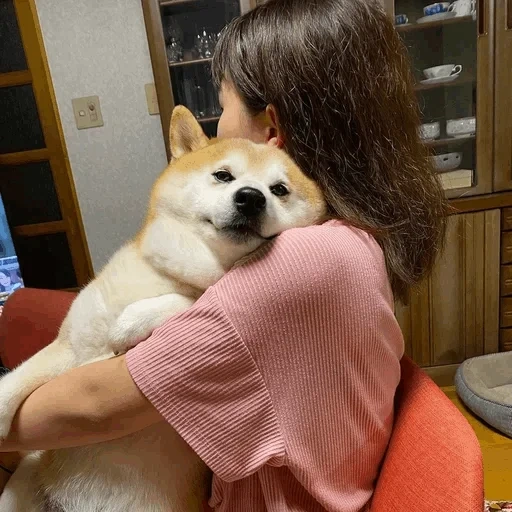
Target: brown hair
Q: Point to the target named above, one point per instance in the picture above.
(339, 79)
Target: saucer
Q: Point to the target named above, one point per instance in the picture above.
(439, 80)
(436, 17)
(461, 136)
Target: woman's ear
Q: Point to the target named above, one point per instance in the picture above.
(274, 133)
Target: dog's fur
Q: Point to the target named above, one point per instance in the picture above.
(193, 233)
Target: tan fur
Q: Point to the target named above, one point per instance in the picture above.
(181, 250)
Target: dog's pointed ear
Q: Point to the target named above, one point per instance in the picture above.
(185, 133)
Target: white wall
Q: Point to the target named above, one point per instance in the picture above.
(99, 47)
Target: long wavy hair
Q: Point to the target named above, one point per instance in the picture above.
(339, 78)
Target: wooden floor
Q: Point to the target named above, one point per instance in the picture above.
(497, 453)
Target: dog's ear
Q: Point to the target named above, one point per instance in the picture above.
(185, 133)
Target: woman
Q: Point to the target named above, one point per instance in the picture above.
(282, 376)
(6, 284)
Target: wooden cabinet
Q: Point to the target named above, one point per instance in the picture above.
(465, 41)
(482, 44)
(181, 37)
(465, 308)
(454, 315)
(503, 114)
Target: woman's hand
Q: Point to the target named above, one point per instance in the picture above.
(8, 463)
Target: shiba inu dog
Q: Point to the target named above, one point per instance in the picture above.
(216, 202)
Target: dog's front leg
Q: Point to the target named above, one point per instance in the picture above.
(17, 385)
(138, 320)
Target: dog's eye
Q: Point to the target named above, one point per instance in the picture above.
(223, 176)
(279, 190)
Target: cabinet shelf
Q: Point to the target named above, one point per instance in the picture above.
(462, 80)
(415, 27)
(449, 141)
(208, 119)
(189, 62)
(172, 3)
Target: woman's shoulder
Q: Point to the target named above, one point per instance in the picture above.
(331, 243)
(332, 253)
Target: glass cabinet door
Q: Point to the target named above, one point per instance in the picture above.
(190, 31)
(450, 55)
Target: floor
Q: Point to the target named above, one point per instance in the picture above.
(497, 453)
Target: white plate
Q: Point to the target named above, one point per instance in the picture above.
(440, 80)
(403, 25)
(436, 17)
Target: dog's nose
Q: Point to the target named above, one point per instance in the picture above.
(250, 201)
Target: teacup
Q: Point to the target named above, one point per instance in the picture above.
(461, 127)
(436, 8)
(443, 71)
(430, 131)
(401, 19)
(463, 7)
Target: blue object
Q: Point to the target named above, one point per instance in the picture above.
(10, 273)
(401, 19)
(435, 9)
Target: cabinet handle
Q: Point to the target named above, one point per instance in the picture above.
(508, 14)
(482, 17)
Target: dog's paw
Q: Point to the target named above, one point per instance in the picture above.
(128, 330)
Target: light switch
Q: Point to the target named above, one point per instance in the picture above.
(87, 112)
(152, 99)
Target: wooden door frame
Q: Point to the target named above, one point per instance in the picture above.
(503, 116)
(161, 73)
(55, 152)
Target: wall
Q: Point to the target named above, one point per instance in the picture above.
(99, 47)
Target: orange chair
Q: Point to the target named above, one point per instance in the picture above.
(433, 462)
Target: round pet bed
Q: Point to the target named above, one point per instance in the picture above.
(484, 384)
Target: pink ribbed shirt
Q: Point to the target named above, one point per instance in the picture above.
(282, 376)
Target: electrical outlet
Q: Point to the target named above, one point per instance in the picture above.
(87, 112)
(152, 99)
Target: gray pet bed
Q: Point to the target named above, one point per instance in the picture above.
(484, 384)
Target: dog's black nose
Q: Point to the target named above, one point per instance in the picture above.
(250, 201)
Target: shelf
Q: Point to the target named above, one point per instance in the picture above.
(173, 3)
(173, 7)
(414, 27)
(449, 141)
(188, 62)
(208, 119)
(463, 79)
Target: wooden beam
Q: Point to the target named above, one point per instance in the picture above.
(25, 157)
(43, 228)
(15, 78)
(480, 203)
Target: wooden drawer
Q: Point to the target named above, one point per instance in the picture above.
(506, 280)
(506, 247)
(506, 312)
(506, 219)
(506, 339)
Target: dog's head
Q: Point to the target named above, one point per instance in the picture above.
(232, 190)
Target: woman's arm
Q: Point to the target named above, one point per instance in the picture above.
(90, 404)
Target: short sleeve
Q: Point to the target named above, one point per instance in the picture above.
(199, 374)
